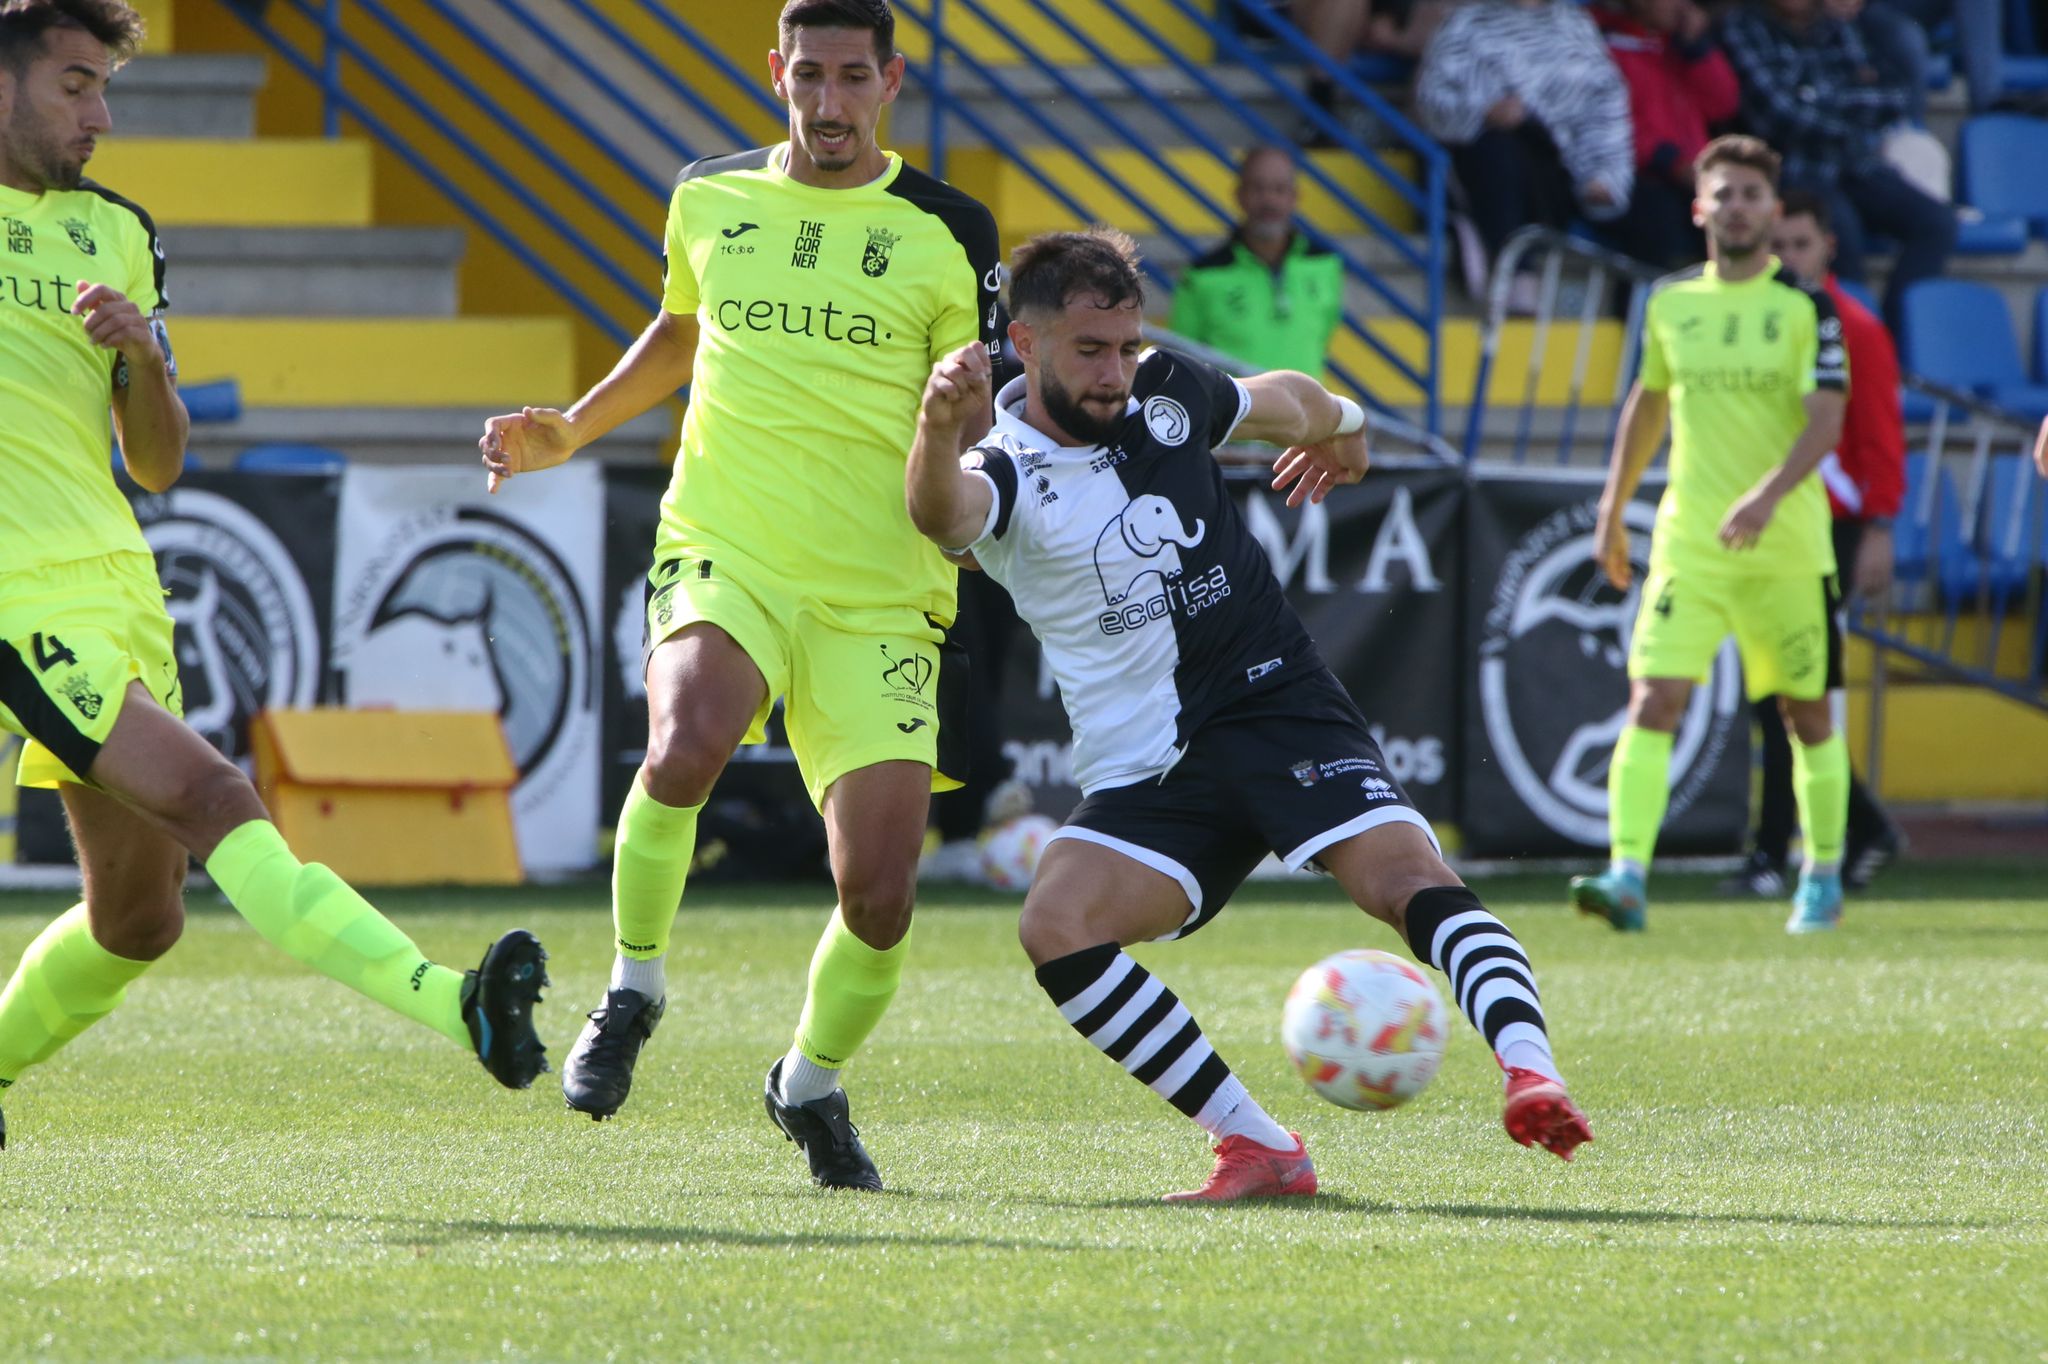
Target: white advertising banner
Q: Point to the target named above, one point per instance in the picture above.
(446, 598)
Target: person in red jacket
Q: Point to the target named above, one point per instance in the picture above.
(1866, 481)
(1679, 85)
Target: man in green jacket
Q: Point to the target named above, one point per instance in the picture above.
(1264, 295)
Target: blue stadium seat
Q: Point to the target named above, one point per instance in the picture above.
(2000, 236)
(2024, 73)
(290, 459)
(2012, 522)
(2041, 336)
(1996, 168)
(218, 401)
(1922, 544)
(1958, 333)
(1861, 293)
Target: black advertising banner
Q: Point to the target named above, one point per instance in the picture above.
(1547, 685)
(247, 561)
(1372, 570)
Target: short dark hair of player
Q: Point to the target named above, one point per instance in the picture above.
(1738, 149)
(1804, 203)
(875, 16)
(1055, 268)
(24, 25)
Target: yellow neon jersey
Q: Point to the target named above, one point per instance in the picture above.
(1738, 361)
(58, 501)
(821, 312)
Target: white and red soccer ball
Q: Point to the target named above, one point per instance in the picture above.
(1010, 851)
(1365, 1029)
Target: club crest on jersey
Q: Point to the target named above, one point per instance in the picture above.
(909, 673)
(1167, 420)
(81, 236)
(1308, 772)
(874, 262)
(80, 693)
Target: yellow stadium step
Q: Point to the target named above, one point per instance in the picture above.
(226, 182)
(1970, 644)
(1953, 743)
(1019, 25)
(383, 362)
(1023, 207)
(162, 33)
(1458, 360)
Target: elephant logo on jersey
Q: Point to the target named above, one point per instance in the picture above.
(81, 236)
(874, 262)
(1149, 529)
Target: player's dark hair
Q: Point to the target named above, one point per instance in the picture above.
(1055, 268)
(1738, 149)
(1805, 203)
(26, 24)
(873, 16)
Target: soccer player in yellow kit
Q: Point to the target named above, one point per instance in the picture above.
(87, 671)
(810, 287)
(1751, 369)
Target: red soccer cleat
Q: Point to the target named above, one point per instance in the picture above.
(1540, 1113)
(1245, 1169)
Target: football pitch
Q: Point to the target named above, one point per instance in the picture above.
(1831, 1147)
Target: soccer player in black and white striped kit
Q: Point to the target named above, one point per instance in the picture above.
(1207, 729)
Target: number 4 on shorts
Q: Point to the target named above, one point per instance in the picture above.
(50, 651)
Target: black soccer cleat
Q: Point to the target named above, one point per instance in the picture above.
(827, 1135)
(497, 1006)
(1759, 876)
(599, 1072)
(3, 1131)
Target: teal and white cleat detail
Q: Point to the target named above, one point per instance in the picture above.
(1816, 905)
(1613, 896)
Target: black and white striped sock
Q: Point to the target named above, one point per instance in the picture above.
(1131, 1017)
(1491, 978)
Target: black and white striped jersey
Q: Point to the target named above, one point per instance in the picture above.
(1154, 603)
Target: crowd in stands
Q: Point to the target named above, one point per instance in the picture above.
(1586, 115)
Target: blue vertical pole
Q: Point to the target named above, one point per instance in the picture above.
(330, 71)
(1433, 419)
(937, 85)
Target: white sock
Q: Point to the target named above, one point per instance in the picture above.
(1231, 1112)
(804, 1079)
(1823, 868)
(1524, 1045)
(1622, 866)
(645, 974)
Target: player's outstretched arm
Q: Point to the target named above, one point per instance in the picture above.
(1748, 517)
(947, 504)
(536, 438)
(149, 417)
(1635, 444)
(1324, 434)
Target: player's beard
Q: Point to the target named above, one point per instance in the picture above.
(36, 152)
(1729, 249)
(838, 161)
(1068, 414)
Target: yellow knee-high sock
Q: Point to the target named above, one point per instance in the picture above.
(1638, 789)
(649, 866)
(66, 982)
(1820, 788)
(310, 914)
(851, 986)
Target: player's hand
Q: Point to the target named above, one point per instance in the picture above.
(1873, 575)
(525, 442)
(1610, 549)
(1507, 112)
(1746, 520)
(2041, 450)
(1315, 469)
(114, 322)
(958, 388)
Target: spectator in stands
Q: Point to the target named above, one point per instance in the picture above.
(1979, 39)
(1534, 114)
(1341, 29)
(1810, 89)
(1265, 295)
(1896, 43)
(1679, 84)
(1865, 476)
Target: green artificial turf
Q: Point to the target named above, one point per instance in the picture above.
(1828, 1147)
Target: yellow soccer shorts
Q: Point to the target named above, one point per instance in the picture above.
(1784, 629)
(72, 637)
(858, 686)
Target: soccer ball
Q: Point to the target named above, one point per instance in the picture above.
(1365, 1029)
(1010, 852)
